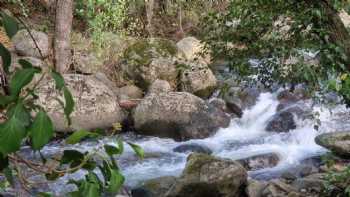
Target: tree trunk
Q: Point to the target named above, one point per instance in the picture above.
(63, 26)
(149, 13)
(337, 31)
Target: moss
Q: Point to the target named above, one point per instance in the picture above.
(196, 161)
(142, 52)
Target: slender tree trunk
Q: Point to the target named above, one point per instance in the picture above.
(149, 13)
(335, 26)
(63, 26)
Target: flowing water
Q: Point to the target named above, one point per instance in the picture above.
(243, 138)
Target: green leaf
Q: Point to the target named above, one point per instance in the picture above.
(79, 135)
(69, 104)
(45, 194)
(89, 165)
(10, 25)
(6, 58)
(12, 133)
(25, 64)
(5, 100)
(52, 176)
(41, 131)
(138, 150)
(112, 150)
(116, 181)
(70, 156)
(58, 79)
(90, 190)
(20, 79)
(20, 112)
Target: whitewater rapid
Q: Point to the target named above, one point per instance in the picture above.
(243, 138)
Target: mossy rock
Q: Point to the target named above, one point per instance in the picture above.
(150, 59)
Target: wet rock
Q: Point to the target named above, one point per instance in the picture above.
(310, 184)
(257, 162)
(196, 148)
(208, 176)
(286, 96)
(255, 188)
(281, 122)
(239, 98)
(178, 115)
(191, 48)
(95, 104)
(25, 46)
(221, 105)
(159, 86)
(277, 188)
(338, 143)
(198, 79)
(289, 176)
(148, 60)
(300, 109)
(157, 187)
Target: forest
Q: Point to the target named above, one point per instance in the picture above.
(175, 98)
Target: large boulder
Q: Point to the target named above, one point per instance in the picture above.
(195, 148)
(255, 188)
(191, 49)
(178, 115)
(25, 45)
(159, 86)
(208, 176)
(281, 122)
(198, 79)
(338, 143)
(95, 104)
(151, 59)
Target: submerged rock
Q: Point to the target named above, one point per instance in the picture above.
(178, 115)
(196, 148)
(208, 176)
(95, 104)
(25, 45)
(338, 143)
(258, 162)
(281, 122)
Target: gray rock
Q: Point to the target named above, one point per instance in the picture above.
(177, 115)
(310, 184)
(196, 148)
(208, 176)
(338, 143)
(258, 162)
(95, 104)
(191, 49)
(281, 122)
(129, 92)
(159, 86)
(198, 79)
(25, 46)
(277, 188)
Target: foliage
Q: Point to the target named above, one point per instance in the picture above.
(20, 3)
(27, 122)
(338, 183)
(280, 35)
(102, 16)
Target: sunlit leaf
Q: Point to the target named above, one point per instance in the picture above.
(79, 135)
(41, 131)
(116, 181)
(21, 78)
(138, 150)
